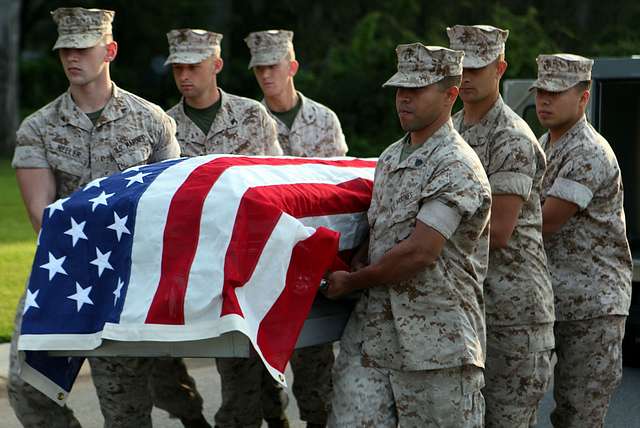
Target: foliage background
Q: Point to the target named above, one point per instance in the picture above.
(346, 49)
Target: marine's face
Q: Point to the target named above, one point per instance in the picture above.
(420, 107)
(83, 66)
(479, 83)
(194, 80)
(559, 109)
(273, 78)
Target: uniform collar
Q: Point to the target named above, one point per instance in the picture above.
(487, 122)
(115, 108)
(418, 157)
(570, 134)
(307, 114)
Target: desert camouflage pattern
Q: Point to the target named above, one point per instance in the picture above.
(589, 257)
(315, 132)
(173, 390)
(435, 319)
(269, 47)
(588, 371)
(241, 127)
(81, 28)
(241, 380)
(189, 46)
(518, 294)
(517, 373)
(129, 132)
(387, 398)
(420, 65)
(517, 288)
(559, 72)
(481, 44)
(32, 407)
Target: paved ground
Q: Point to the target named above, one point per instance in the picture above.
(624, 411)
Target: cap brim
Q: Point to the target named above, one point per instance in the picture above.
(185, 58)
(472, 61)
(408, 80)
(552, 85)
(257, 60)
(77, 41)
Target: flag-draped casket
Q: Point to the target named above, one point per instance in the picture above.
(189, 249)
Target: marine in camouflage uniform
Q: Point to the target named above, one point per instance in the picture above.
(413, 349)
(518, 294)
(305, 128)
(234, 125)
(59, 149)
(585, 240)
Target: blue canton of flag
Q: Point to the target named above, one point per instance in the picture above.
(81, 268)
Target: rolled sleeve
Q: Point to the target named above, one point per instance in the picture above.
(440, 217)
(511, 183)
(571, 191)
(29, 151)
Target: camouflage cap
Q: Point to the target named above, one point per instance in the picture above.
(269, 47)
(482, 44)
(81, 28)
(189, 46)
(420, 65)
(559, 72)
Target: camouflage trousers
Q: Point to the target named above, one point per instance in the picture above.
(588, 370)
(122, 386)
(173, 390)
(372, 397)
(517, 373)
(249, 393)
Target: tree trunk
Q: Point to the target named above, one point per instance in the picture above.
(9, 45)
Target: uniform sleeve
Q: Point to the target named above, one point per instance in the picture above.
(270, 135)
(166, 145)
(513, 165)
(579, 178)
(452, 195)
(30, 150)
(340, 145)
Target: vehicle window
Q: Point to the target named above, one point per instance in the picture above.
(618, 120)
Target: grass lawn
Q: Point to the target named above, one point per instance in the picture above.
(17, 245)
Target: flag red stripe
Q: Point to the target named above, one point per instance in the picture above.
(263, 206)
(183, 226)
(280, 327)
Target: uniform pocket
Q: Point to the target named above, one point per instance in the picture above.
(129, 152)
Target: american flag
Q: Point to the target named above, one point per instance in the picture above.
(189, 249)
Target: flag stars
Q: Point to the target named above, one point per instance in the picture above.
(30, 301)
(102, 261)
(54, 266)
(81, 296)
(119, 225)
(76, 232)
(94, 183)
(101, 199)
(57, 206)
(117, 291)
(138, 178)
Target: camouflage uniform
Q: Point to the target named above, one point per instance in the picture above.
(315, 132)
(413, 351)
(519, 298)
(251, 394)
(589, 259)
(241, 126)
(130, 131)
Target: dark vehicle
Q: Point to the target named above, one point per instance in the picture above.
(614, 110)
